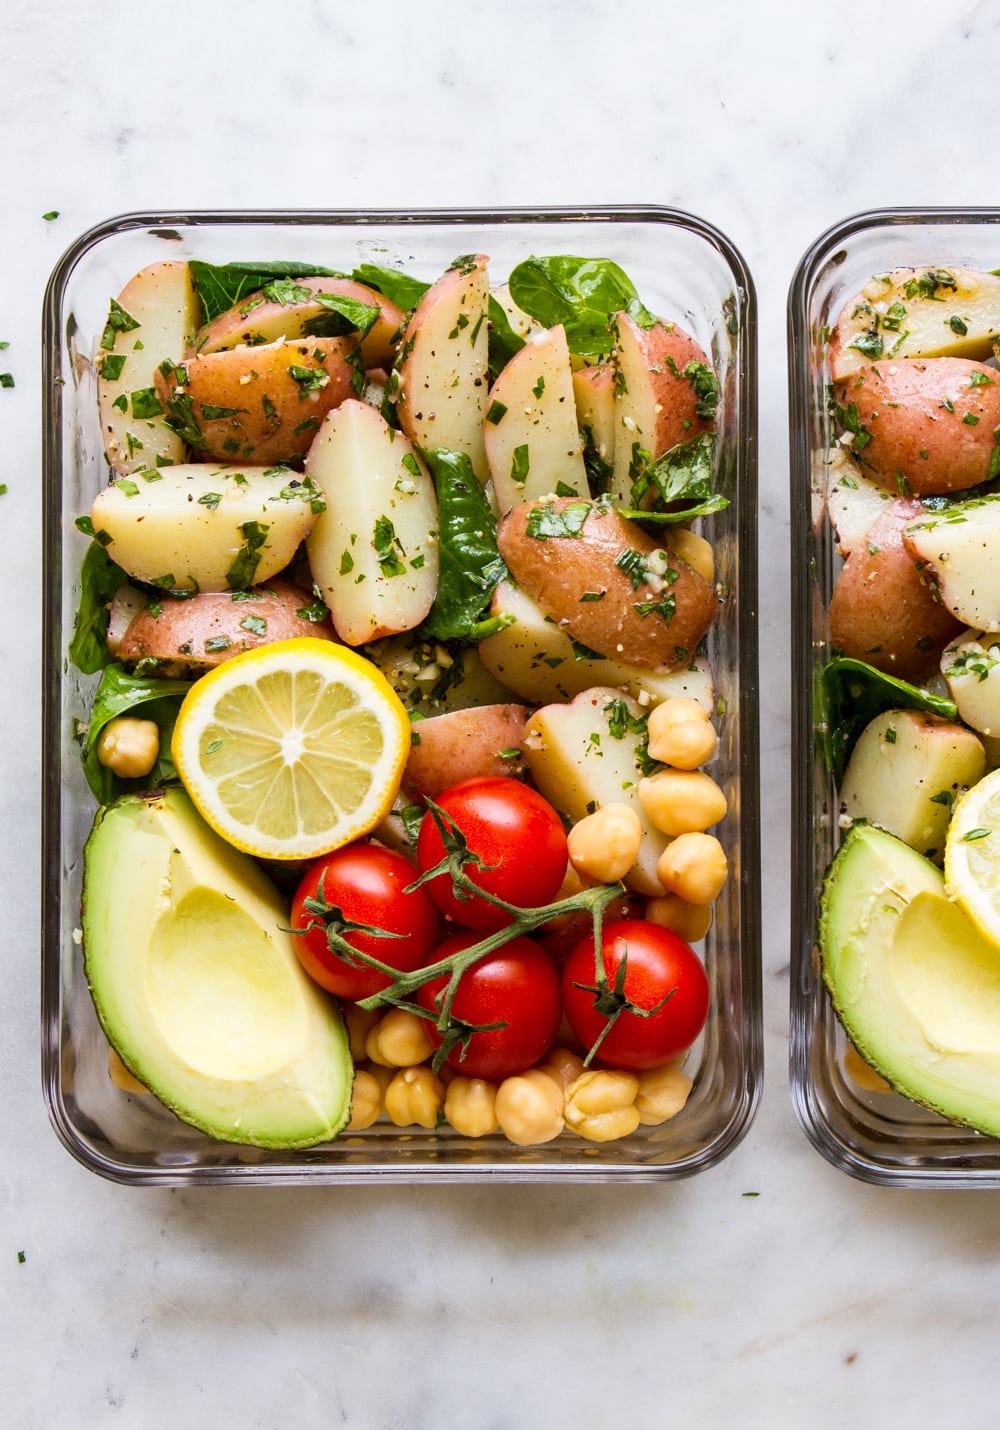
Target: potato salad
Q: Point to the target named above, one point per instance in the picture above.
(397, 604)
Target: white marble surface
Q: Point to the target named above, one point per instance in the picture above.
(815, 1303)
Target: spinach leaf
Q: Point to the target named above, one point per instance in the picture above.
(121, 693)
(470, 565)
(343, 316)
(581, 293)
(221, 286)
(503, 341)
(100, 578)
(681, 475)
(397, 287)
(852, 693)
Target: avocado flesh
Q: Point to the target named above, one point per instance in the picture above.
(913, 982)
(198, 987)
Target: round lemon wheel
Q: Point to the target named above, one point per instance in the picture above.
(972, 855)
(292, 749)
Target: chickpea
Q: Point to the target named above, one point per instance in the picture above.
(562, 1065)
(529, 1108)
(470, 1106)
(663, 1092)
(366, 1102)
(600, 1105)
(414, 1095)
(693, 866)
(399, 1040)
(693, 549)
(681, 734)
(604, 845)
(691, 921)
(129, 747)
(359, 1023)
(682, 801)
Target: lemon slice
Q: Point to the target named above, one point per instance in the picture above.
(292, 749)
(972, 855)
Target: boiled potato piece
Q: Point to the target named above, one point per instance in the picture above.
(590, 753)
(921, 426)
(594, 390)
(971, 669)
(263, 403)
(152, 319)
(373, 552)
(659, 401)
(199, 527)
(883, 609)
(441, 377)
(959, 548)
(854, 502)
(540, 661)
(463, 744)
(431, 676)
(917, 312)
(610, 585)
(904, 774)
(531, 435)
(259, 318)
(204, 630)
(521, 323)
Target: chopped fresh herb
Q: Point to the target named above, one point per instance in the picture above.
(893, 317)
(256, 625)
(633, 563)
(145, 403)
(315, 612)
(308, 424)
(212, 413)
(346, 563)
(971, 420)
(539, 387)
(120, 403)
(6, 379)
(593, 595)
(956, 324)
(127, 487)
(496, 411)
(974, 834)
(110, 367)
(890, 736)
(181, 419)
(546, 521)
(217, 643)
(869, 344)
(52, 213)
(980, 379)
(388, 548)
(244, 566)
(944, 796)
(210, 499)
(118, 322)
(411, 464)
(519, 465)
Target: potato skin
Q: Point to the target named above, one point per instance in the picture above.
(271, 417)
(930, 422)
(563, 574)
(883, 611)
(175, 632)
(462, 744)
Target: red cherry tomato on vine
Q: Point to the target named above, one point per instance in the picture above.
(514, 831)
(659, 966)
(516, 986)
(365, 883)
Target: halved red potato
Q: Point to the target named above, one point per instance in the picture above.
(922, 425)
(853, 501)
(195, 634)
(666, 392)
(594, 391)
(604, 580)
(441, 377)
(463, 744)
(916, 312)
(264, 404)
(883, 611)
(257, 319)
(958, 550)
(373, 552)
(531, 434)
(151, 319)
(971, 669)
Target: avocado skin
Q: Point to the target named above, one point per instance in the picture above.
(150, 865)
(870, 884)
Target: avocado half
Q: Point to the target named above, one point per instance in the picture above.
(915, 985)
(197, 984)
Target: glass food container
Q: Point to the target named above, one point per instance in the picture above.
(683, 269)
(858, 1125)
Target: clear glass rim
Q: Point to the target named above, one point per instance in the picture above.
(580, 1169)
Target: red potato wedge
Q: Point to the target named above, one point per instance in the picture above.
(657, 403)
(957, 551)
(917, 312)
(441, 377)
(883, 611)
(257, 320)
(606, 582)
(924, 425)
(264, 404)
(152, 319)
(594, 391)
(531, 434)
(194, 635)
(464, 744)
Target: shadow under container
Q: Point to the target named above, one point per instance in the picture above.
(874, 1135)
(685, 270)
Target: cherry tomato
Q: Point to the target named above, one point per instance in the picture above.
(658, 965)
(366, 883)
(514, 831)
(518, 987)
